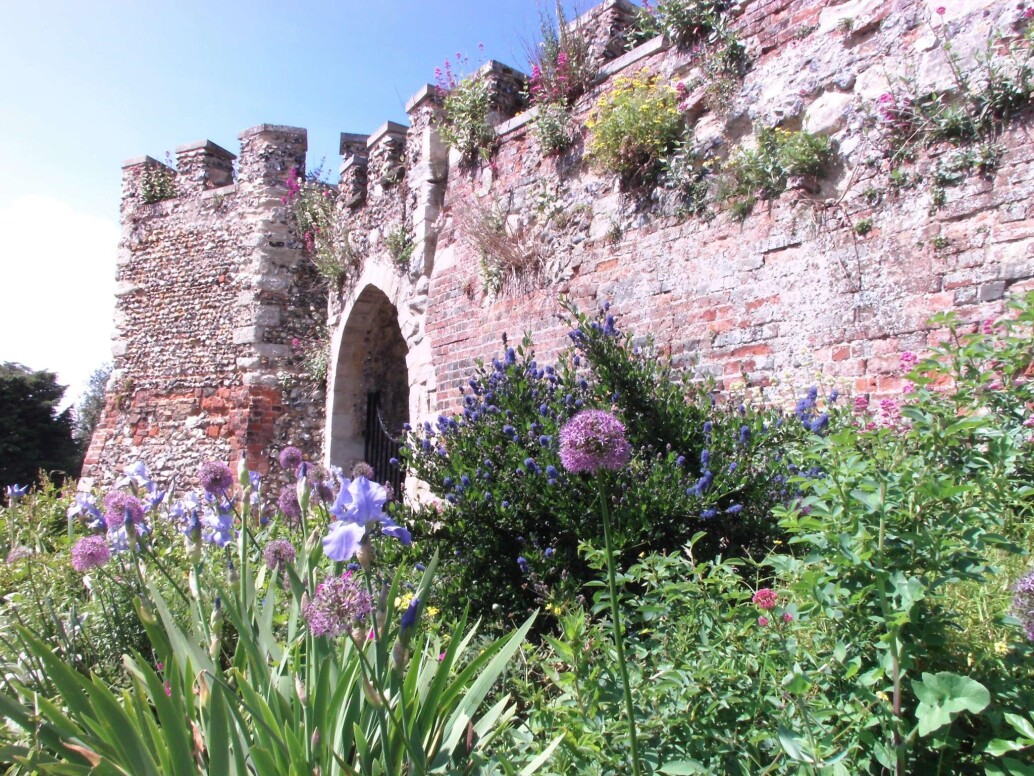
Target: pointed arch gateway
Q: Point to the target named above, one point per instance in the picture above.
(369, 399)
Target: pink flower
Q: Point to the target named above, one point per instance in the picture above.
(908, 360)
(861, 403)
(988, 327)
(441, 656)
(908, 387)
(765, 598)
(940, 10)
(787, 617)
(762, 621)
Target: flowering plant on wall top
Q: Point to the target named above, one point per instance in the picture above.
(313, 206)
(466, 104)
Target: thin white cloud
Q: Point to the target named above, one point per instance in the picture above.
(57, 283)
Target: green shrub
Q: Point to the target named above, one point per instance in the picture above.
(697, 466)
(553, 128)
(464, 124)
(157, 183)
(763, 172)
(400, 245)
(313, 205)
(634, 126)
(685, 22)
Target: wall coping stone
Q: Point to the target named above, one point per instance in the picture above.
(137, 161)
(351, 138)
(517, 121)
(205, 145)
(640, 52)
(262, 129)
(387, 128)
(427, 92)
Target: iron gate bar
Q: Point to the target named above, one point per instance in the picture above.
(381, 446)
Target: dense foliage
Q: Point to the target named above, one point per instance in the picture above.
(507, 503)
(841, 589)
(34, 435)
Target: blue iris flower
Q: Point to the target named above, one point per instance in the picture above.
(359, 504)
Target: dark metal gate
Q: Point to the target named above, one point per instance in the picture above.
(381, 446)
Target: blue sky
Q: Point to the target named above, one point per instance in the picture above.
(89, 84)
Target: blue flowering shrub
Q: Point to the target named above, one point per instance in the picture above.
(891, 630)
(510, 518)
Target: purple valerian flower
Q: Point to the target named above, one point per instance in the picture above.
(338, 605)
(908, 361)
(290, 459)
(90, 552)
(215, 478)
(15, 492)
(279, 554)
(359, 504)
(120, 507)
(1023, 603)
(594, 440)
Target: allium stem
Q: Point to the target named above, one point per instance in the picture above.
(616, 622)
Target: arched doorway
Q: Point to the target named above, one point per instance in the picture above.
(370, 396)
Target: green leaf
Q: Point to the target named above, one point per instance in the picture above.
(1021, 725)
(683, 768)
(943, 696)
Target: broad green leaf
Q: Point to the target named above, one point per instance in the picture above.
(943, 696)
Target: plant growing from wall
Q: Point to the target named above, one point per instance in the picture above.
(466, 106)
(508, 248)
(983, 103)
(157, 182)
(634, 126)
(553, 128)
(400, 245)
(764, 172)
(684, 22)
(561, 64)
(313, 206)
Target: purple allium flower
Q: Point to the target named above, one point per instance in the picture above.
(1023, 603)
(362, 469)
(339, 604)
(278, 554)
(215, 478)
(118, 505)
(290, 459)
(90, 552)
(593, 440)
(289, 506)
(21, 552)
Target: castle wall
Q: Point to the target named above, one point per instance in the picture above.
(215, 291)
(215, 302)
(793, 293)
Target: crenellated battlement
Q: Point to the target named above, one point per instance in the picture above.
(218, 301)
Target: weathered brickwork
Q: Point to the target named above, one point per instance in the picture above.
(213, 287)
